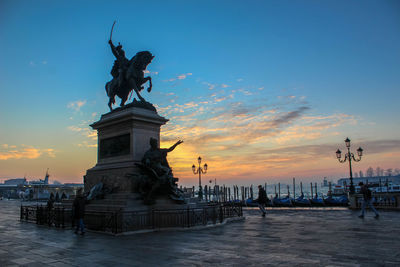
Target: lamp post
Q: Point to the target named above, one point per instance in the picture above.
(199, 171)
(349, 156)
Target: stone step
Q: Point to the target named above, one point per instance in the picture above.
(122, 196)
(105, 201)
(99, 207)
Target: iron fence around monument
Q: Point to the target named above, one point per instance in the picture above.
(39, 214)
(126, 221)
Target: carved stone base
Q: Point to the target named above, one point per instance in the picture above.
(113, 179)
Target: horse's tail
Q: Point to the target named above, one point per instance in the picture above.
(107, 87)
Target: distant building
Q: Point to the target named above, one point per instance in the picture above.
(42, 182)
(17, 181)
(72, 184)
(374, 179)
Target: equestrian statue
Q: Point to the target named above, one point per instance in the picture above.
(127, 74)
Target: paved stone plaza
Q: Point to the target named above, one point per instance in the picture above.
(286, 237)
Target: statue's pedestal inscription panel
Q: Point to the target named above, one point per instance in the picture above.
(115, 146)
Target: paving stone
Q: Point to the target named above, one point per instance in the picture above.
(22, 261)
(286, 237)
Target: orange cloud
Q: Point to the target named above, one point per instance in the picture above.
(24, 153)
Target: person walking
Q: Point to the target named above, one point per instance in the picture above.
(50, 210)
(367, 200)
(262, 199)
(79, 211)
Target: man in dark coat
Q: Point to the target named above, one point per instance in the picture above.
(79, 211)
(367, 196)
(262, 199)
(50, 207)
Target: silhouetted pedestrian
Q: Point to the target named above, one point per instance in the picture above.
(50, 211)
(262, 199)
(367, 200)
(50, 202)
(79, 211)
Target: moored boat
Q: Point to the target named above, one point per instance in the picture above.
(302, 202)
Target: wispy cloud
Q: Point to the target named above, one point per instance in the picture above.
(75, 128)
(24, 152)
(179, 77)
(76, 105)
(87, 144)
(150, 72)
(34, 64)
(84, 131)
(183, 76)
(212, 86)
(242, 133)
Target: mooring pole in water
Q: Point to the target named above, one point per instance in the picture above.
(237, 192)
(288, 192)
(294, 187)
(316, 193)
(312, 194)
(275, 190)
(279, 190)
(301, 188)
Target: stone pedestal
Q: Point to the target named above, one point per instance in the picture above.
(123, 138)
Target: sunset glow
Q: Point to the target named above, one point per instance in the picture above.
(261, 90)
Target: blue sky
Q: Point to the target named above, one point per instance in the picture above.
(295, 74)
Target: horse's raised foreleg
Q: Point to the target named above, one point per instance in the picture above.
(148, 78)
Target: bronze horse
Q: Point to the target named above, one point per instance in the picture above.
(133, 79)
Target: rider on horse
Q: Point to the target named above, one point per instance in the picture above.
(127, 74)
(120, 64)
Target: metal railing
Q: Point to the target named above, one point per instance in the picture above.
(380, 200)
(125, 221)
(57, 216)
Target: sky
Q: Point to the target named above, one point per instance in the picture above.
(261, 90)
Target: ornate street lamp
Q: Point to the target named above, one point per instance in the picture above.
(199, 171)
(349, 156)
